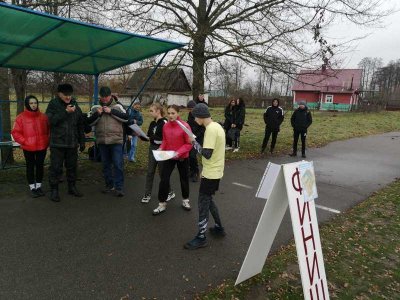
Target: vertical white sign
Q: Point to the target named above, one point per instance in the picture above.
(305, 229)
(272, 188)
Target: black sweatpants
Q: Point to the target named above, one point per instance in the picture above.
(34, 160)
(208, 187)
(303, 135)
(166, 168)
(57, 158)
(267, 135)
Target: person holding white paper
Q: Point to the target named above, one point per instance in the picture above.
(174, 139)
(155, 136)
(213, 159)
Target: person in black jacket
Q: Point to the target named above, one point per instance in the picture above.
(273, 118)
(66, 135)
(228, 113)
(239, 113)
(301, 119)
(198, 131)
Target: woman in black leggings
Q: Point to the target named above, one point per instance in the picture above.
(31, 130)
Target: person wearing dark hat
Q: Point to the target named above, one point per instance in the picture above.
(198, 131)
(301, 119)
(108, 120)
(66, 135)
(31, 130)
(273, 118)
(213, 160)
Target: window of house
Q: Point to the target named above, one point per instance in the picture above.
(329, 99)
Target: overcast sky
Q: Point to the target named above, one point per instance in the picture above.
(380, 42)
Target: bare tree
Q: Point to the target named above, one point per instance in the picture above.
(274, 34)
(5, 113)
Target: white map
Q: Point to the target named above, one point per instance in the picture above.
(160, 155)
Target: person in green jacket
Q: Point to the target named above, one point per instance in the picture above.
(66, 135)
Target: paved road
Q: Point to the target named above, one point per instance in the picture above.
(99, 247)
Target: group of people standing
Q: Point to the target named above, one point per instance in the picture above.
(63, 128)
(300, 120)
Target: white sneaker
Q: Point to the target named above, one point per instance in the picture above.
(171, 195)
(146, 198)
(236, 150)
(185, 204)
(228, 148)
(162, 206)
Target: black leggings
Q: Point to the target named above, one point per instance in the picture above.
(34, 159)
(166, 169)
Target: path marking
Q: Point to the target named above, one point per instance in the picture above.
(243, 185)
(328, 209)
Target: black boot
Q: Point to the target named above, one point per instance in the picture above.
(72, 190)
(54, 196)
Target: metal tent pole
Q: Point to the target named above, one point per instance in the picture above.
(96, 89)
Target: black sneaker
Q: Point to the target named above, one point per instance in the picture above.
(293, 154)
(108, 190)
(303, 156)
(217, 231)
(34, 193)
(196, 243)
(119, 193)
(40, 192)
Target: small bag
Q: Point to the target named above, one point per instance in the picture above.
(232, 133)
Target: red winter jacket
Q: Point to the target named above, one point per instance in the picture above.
(175, 139)
(31, 130)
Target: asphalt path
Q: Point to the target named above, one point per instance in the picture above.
(101, 247)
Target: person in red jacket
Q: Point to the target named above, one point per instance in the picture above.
(31, 130)
(174, 139)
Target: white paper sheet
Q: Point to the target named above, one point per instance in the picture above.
(185, 129)
(160, 155)
(138, 131)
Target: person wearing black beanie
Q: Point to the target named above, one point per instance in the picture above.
(31, 130)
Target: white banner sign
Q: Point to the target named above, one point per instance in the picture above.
(293, 185)
(301, 190)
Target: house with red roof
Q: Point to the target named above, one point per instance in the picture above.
(328, 89)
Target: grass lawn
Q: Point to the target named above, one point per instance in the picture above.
(362, 257)
(326, 127)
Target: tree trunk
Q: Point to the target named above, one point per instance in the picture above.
(199, 44)
(5, 115)
(19, 78)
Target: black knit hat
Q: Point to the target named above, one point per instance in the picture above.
(191, 104)
(105, 91)
(201, 111)
(65, 88)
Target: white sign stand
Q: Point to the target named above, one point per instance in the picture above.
(294, 185)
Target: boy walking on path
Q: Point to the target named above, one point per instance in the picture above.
(213, 160)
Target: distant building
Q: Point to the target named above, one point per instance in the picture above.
(328, 89)
(167, 86)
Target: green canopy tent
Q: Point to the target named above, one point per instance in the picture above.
(37, 41)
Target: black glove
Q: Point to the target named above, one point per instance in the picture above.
(82, 147)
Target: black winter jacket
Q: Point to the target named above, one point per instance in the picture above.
(66, 129)
(197, 130)
(238, 116)
(301, 119)
(273, 118)
(155, 131)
